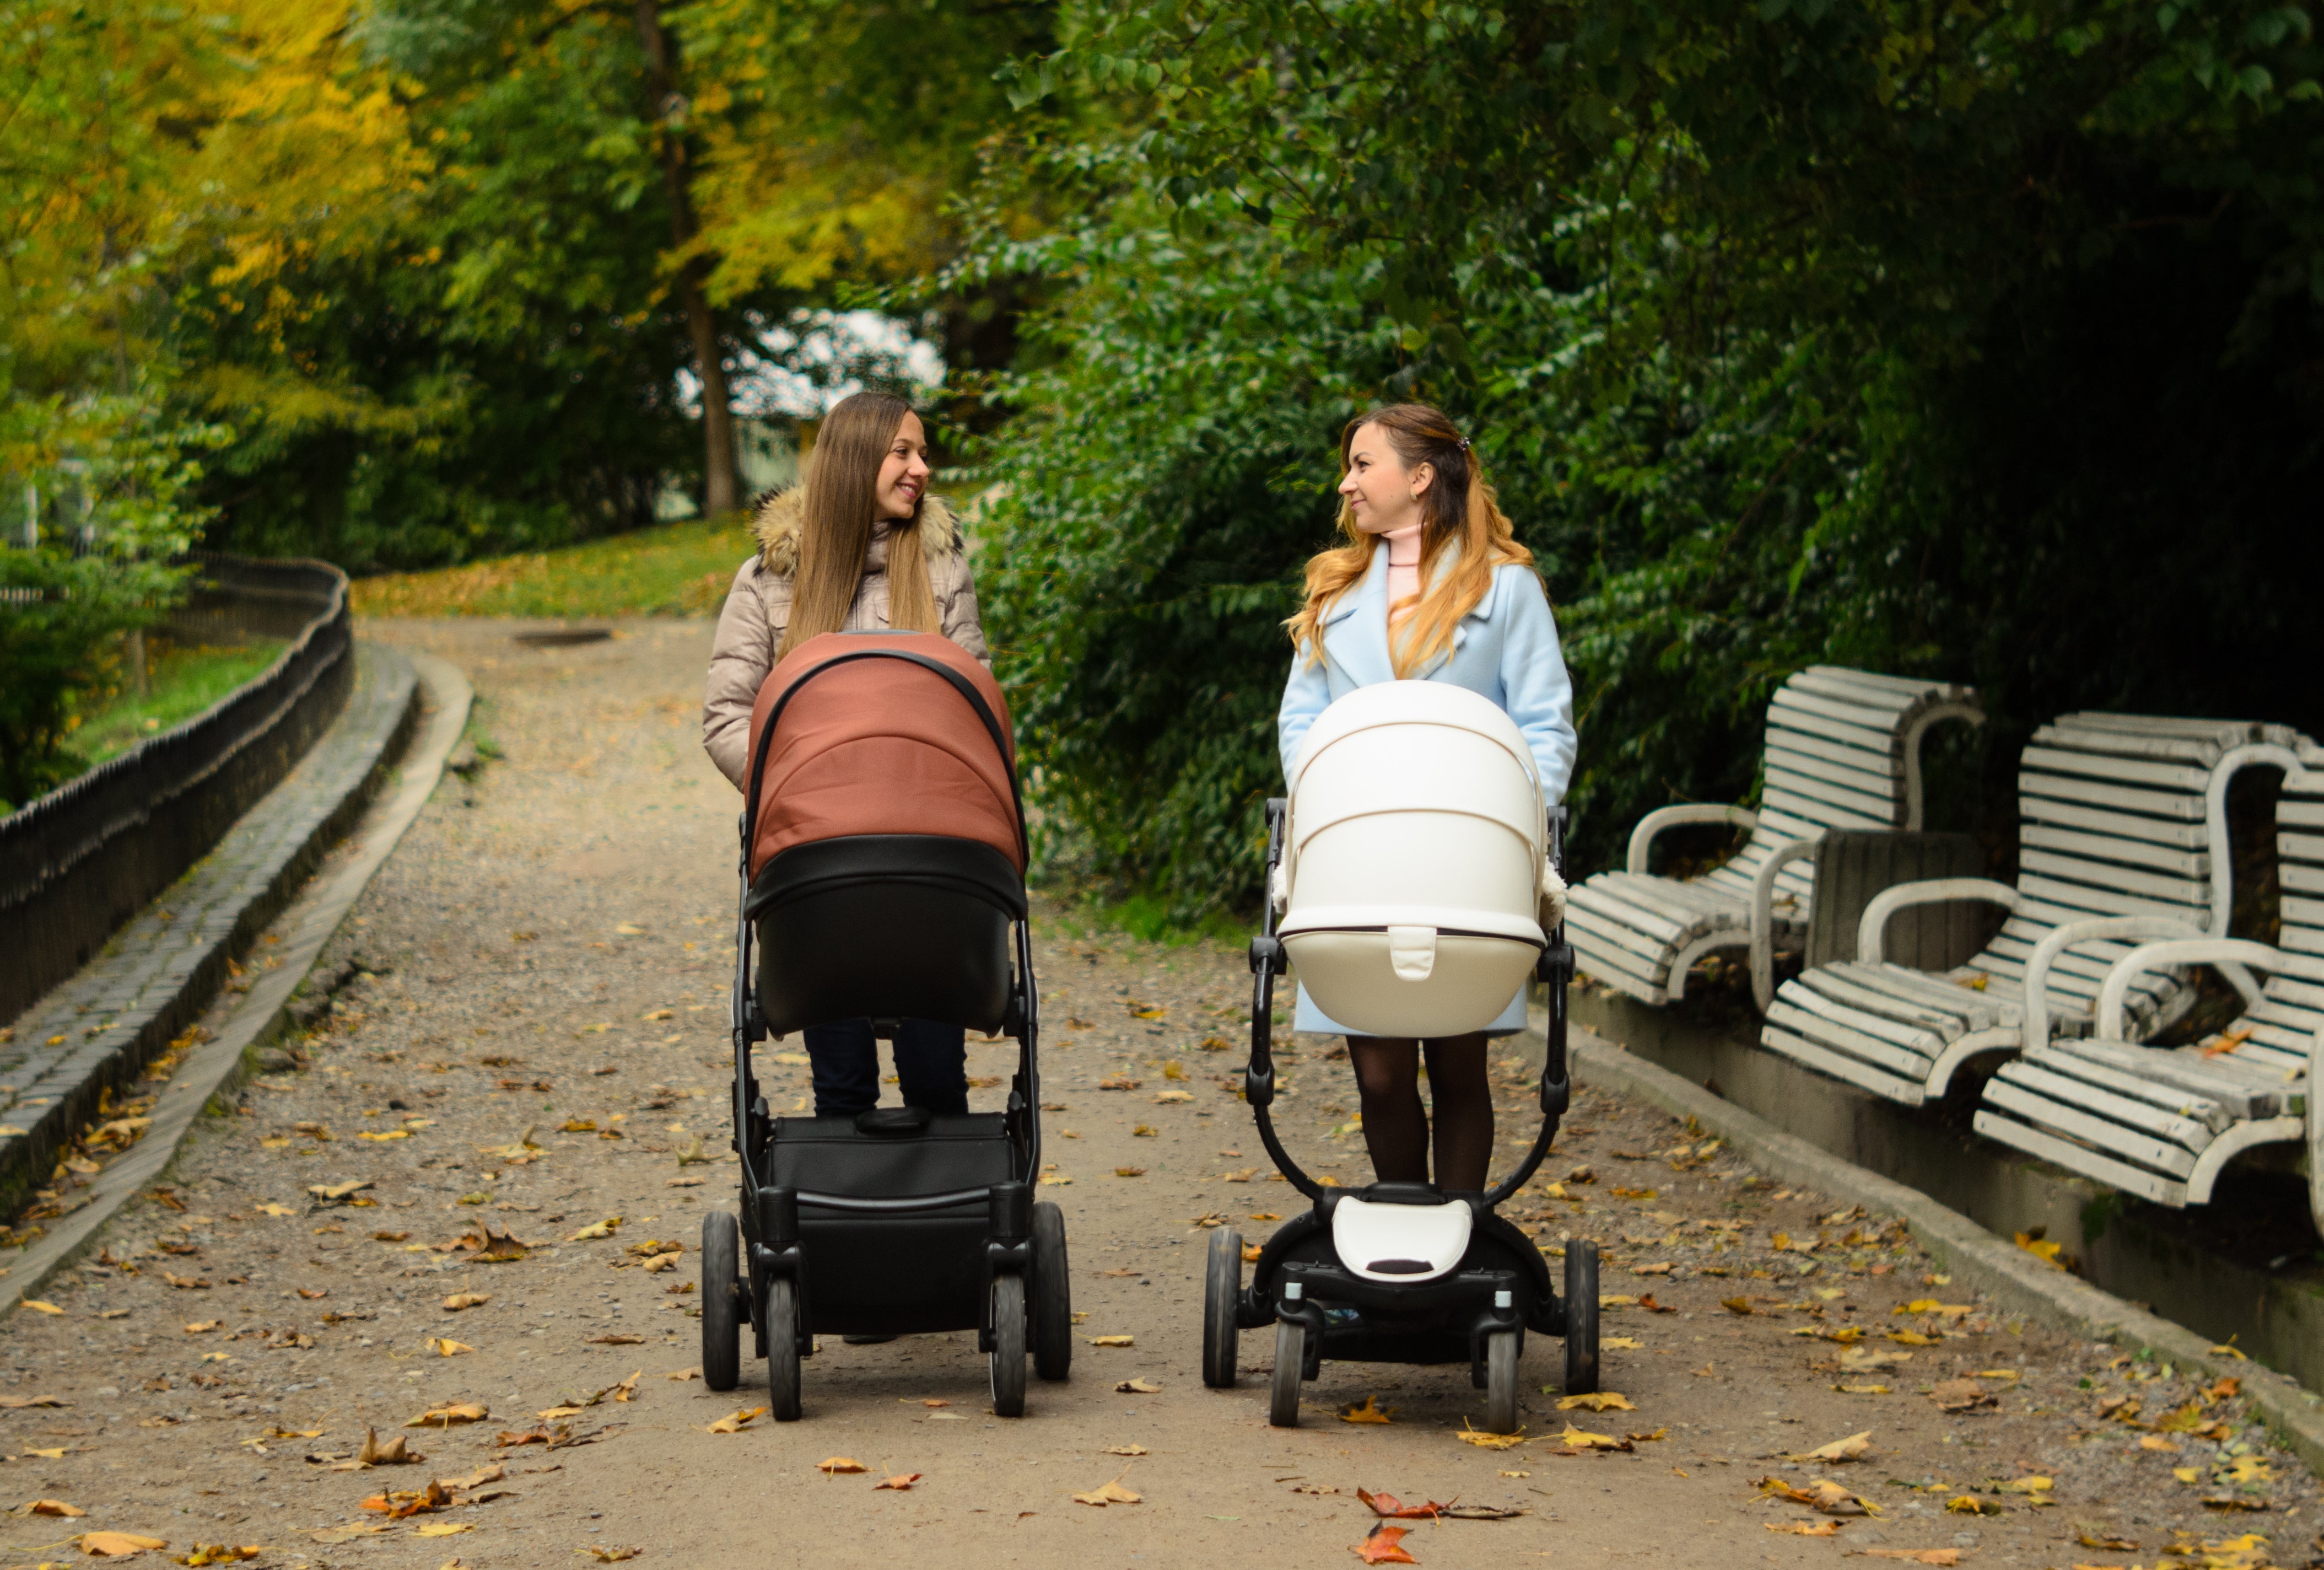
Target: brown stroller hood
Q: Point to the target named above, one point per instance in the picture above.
(882, 746)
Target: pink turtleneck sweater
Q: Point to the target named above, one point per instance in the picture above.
(1403, 570)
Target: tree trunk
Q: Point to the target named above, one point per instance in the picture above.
(722, 486)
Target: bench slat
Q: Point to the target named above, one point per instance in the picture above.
(2076, 1158)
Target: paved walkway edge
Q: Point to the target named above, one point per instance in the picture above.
(2013, 1279)
(221, 1065)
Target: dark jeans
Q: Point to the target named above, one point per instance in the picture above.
(931, 1067)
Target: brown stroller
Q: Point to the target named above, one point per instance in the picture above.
(883, 877)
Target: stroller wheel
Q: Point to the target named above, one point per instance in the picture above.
(1580, 1317)
(1221, 1285)
(1290, 1356)
(1053, 1295)
(1501, 1381)
(722, 1327)
(782, 1350)
(1008, 1346)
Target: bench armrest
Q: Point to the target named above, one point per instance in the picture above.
(1928, 892)
(2227, 955)
(2098, 928)
(1763, 917)
(1642, 838)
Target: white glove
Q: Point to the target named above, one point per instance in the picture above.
(1278, 888)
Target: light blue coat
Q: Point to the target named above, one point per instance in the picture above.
(1505, 649)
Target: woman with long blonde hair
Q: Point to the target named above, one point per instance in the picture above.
(860, 546)
(1429, 584)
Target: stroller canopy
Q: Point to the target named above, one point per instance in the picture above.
(882, 746)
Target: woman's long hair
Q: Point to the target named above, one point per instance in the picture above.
(835, 532)
(1458, 513)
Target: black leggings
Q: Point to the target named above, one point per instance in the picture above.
(1396, 1125)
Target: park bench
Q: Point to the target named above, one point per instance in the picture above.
(2164, 1123)
(1843, 751)
(2123, 838)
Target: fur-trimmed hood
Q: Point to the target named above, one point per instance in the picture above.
(779, 514)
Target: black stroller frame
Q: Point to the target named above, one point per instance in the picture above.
(1478, 1312)
(802, 1238)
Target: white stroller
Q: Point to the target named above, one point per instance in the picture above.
(1408, 869)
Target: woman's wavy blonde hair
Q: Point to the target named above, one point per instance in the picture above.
(1458, 512)
(836, 531)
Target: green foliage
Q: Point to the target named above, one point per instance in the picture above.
(1967, 343)
(673, 569)
(58, 614)
(182, 682)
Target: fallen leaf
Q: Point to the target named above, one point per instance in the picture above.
(735, 1422)
(1109, 1493)
(459, 1300)
(2157, 1442)
(118, 1545)
(270, 1208)
(221, 1554)
(50, 1507)
(2047, 1252)
(2026, 1485)
(1488, 1441)
(1136, 1388)
(2089, 1539)
(1129, 1171)
(445, 1529)
(333, 1192)
(394, 1453)
(203, 1326)
(1369, 1411)
(1806, 1528)
(621, 1340)
(1916, 1556)
(1575, 1438)
(901, 1483)
(444, 1346)
(1651, 1307)
(1128, 1450)
(1384, 1545)
(1960, 1395)
(594, 1230)
(40, 1306)
(1968, 1505)
(1597, 1401)
(1847, 1449)
(1112, 1340)
(1620, 1343)
(835, 1465)
(609, 1555)
(18, 1403)
(444, 1417)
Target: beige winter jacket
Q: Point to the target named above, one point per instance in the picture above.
(758, 608)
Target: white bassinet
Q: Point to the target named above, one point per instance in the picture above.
(1415, 861)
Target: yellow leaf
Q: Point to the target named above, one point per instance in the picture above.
(1597, 1401)
(1489, 1441)
(1112, 1341)
(2040, 1247)
(2187, 1473)
(445, 1529)
(1369, 1411)
(605, 1228)
(1805, 1529)
(2156, 1442)
(118, 1545)
(2026, 1485)
(1918, 1305)
(51, 1507)
(444, 1346)
(833, 1466)
(1910, 1338)
(389, 1134)
(444, 1417)
(1583, 1439)
(272, 1209)
(38, 1307)
(1620, 1343)
(735, 1422)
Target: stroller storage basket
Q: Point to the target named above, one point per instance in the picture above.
(1413, 870)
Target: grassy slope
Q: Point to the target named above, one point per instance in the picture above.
(182, 682)
(679, 569)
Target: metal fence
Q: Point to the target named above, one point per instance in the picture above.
(80, 861)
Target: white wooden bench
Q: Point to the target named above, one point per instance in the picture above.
(1843, 751)
(2163, 1123)
(2123, 838)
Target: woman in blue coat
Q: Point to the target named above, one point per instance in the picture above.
(1430, 585)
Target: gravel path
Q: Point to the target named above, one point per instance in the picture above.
(519, 1033)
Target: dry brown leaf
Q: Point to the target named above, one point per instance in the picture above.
(1960, 1395)
(394, 1453)
(839, 1466)
(735, 1422)
(1388, 1507)
(901, 1483)
(1847, 1449)
(118, 1545)
(446, 1416)
(459, 1300)
(49, 1507)
(1136, 1388)
(1806, 1528)
(610, 1556)
(18, 1403)
(1110, 1493)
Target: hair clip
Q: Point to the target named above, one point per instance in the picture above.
(1465, 444)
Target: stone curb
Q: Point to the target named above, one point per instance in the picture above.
(2013, 1279)
(220, 1064)
(102, 1026)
